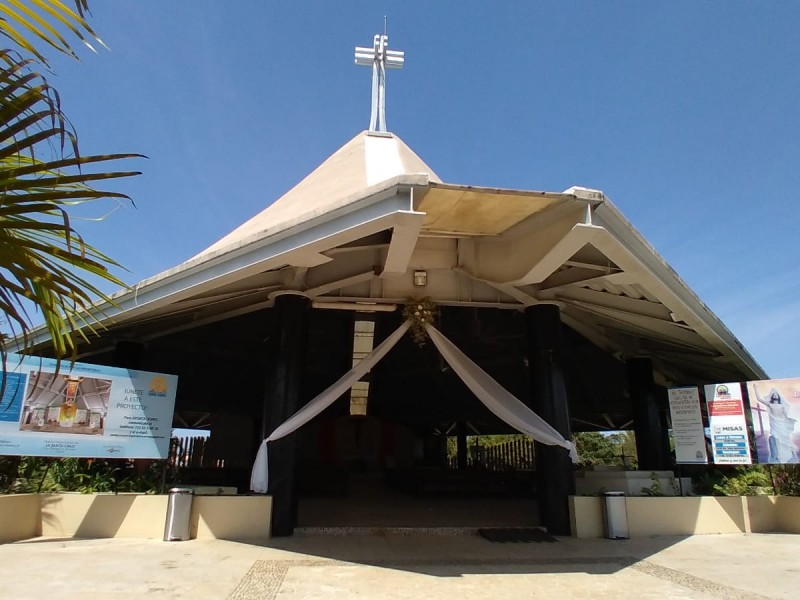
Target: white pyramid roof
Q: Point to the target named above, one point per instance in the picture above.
(367, 160)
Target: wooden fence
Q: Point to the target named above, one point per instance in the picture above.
(512, 455)
(192, 452)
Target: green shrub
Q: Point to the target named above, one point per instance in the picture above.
(787, 479)
(31, 474)
(745, 481)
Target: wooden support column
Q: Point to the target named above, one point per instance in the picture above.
(652, 437)
(285, 367)
(554, 470)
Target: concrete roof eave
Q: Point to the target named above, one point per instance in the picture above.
(634, 253)
(355, 216)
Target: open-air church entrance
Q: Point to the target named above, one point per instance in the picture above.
(392, 429)
(406, 445)
(410, 445)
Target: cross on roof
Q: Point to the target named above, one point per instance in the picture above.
(380, 59)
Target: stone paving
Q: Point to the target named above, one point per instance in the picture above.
(408, 566)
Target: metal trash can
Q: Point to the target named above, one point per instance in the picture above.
(179, 509)
(615, 516)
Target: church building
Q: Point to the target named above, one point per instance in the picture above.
(550, 299)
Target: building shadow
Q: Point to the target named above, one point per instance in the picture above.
(462, 555)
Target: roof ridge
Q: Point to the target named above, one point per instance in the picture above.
(365, 161)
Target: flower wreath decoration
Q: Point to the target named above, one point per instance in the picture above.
(420, 312)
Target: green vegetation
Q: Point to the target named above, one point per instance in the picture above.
(656, 489)
(751, 480)
(485, 441)
(787, 479)
(613, 449)
(29, 474)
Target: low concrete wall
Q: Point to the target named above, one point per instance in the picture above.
(763, 514)
(236, 518)
(586, 516)
(691, 516)
(20, 517)
(789, 514)
(247, 518)
(103, 515)
(685, 516)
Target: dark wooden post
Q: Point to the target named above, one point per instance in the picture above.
(284, 367)
(652, 437)
(554, 470)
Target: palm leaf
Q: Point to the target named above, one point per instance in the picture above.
(44, 262)
(23, 21)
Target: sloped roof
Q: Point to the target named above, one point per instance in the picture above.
(367, 160)
(351, 234)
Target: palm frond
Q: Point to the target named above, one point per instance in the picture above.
(23, 21)
(44, 261)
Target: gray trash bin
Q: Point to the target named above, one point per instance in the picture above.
(615, 516)
(179, 509)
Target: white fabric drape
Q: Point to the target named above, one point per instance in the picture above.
(259, 476)
(496, 398)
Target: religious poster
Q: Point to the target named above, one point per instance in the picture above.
(84, 410)
(775, 407)
(729, 437)
(687, 425)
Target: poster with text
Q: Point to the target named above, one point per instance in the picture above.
(84, 410)
(687, 425)
(775, 407)
(726, 420)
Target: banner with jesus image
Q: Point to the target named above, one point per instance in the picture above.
(775, 408)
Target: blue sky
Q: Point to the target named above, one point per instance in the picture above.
(686, 114)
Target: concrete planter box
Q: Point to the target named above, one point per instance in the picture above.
(237, 518)
(20, 517)
(246, 518)
(691, 515)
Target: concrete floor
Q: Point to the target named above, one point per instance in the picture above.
(396, 567)
(369, 503)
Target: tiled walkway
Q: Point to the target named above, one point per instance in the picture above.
(403, 567)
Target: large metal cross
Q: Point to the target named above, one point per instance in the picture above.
(380, 58)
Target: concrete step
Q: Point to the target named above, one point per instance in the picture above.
(385, 531)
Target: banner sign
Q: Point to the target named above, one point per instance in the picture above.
(729, 437)
(687, 425)
(84, 410)
(775, 407)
